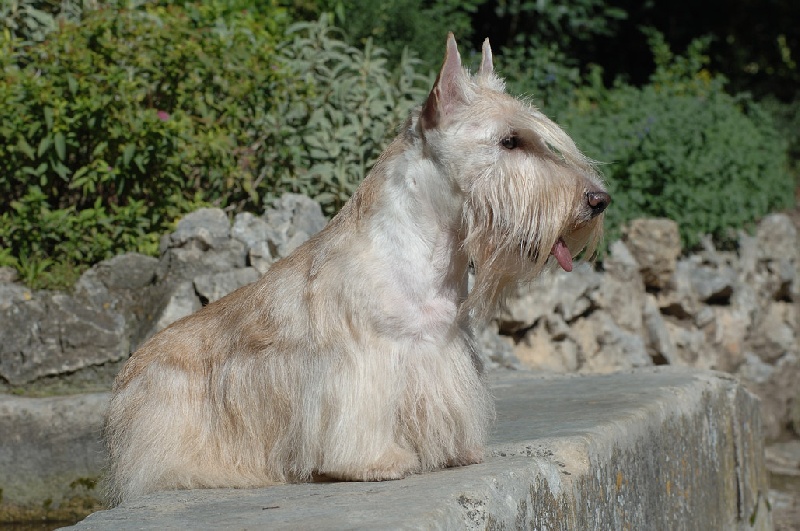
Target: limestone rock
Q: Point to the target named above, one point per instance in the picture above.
(540, 351)
(495, 350)
(776, 334)
(655, 245)
(712, 285)
(181, 300)
(249, 229)
(51, 456)
(54, 333)
(776, 386)
(567, 294)
(216, 285)
(605, 347)
(260, 256)
(690, 345)
(209, 227)
(658, 342)
(8, 275)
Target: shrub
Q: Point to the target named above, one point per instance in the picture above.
(120, 124)
(682, 148)
(334, 131)
(419, 25)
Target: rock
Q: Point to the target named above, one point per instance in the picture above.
(130, 271)
(541, 351)
(754, 370)
(249, 229)
(783, 458)
(54, 333)
(621, 292)
(690, 344)
(621, 264)
(216, 285)
(623, 302)
(773, 234)
(727, 337)
(8, 275)
(185, 263)
(678, 298)
(208, 227)
(713, 285)
(776, 332)
(783, 462)
(291, 221)
(567, 294)
(658, 342)
(779, 255)
(11, 294)
(181, 300)
(776, 386)
(201, 244)
(495, 350)
(51, 456)
(604, 347)
(655, 245)
(299, 212)
(748, 255)
(260, 257)
(714, 309)
(116, 282)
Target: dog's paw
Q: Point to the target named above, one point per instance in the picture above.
(467, 457)
(395, 463)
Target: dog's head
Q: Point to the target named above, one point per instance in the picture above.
(529, 193)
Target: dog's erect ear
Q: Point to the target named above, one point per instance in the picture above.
(446, 90)
(487, 68)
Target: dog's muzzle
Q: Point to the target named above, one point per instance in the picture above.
(597, 201)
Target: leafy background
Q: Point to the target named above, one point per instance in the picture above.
(117, 117)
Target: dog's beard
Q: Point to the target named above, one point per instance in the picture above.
(510, 240)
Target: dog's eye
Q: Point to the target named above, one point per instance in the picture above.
(510, 142)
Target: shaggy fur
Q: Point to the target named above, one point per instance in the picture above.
(353, 357)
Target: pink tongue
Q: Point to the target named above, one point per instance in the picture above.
(562, 254)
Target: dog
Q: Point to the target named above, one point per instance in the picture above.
(353, 358)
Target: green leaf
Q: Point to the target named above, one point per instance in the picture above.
(127, 154)
(60, 145)
(22, 145)
(48, 118)
(44, 144)
(73, 84)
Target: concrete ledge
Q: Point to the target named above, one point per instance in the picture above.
(650, 449)
(50, 456)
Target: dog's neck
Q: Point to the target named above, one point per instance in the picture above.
(415, 222)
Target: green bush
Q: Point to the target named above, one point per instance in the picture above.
(120, 124)
(419, 25)
(683, 149)
(334, 132)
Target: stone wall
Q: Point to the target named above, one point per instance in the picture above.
(735, 311)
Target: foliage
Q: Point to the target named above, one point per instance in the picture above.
(420, 26)
(557, 22)
(681, 148)
(30, 21)
(787, 120)
(120, 124)
(334, 132)
(541, 42)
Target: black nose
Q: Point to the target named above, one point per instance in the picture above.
(598, 201)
